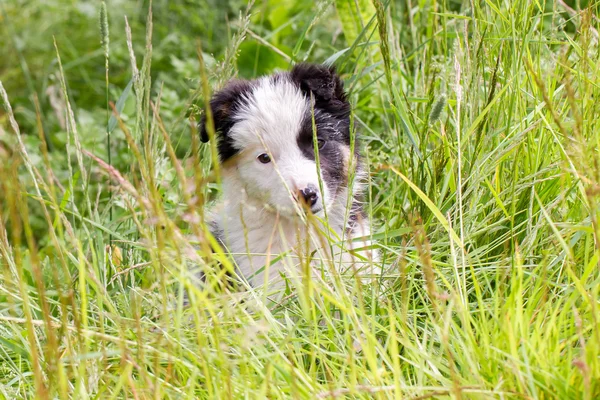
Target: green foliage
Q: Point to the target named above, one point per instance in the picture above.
(478, 124)
(355, 16)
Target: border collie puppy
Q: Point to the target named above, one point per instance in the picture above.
(280, 206)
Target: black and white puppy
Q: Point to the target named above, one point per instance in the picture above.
(271, 181)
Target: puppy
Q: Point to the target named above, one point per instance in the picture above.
(281, 210)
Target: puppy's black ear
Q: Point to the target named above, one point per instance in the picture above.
(321, 80)
(223, 106)
(325, 85)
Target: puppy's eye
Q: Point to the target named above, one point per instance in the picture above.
(264, 158)
(321, 143)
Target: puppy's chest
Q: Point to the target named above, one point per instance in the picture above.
(264, 235)
(261, 244)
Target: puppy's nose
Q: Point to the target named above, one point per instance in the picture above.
(310, 195)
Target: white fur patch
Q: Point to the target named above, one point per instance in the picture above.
(273, 111)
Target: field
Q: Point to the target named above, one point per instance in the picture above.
(478, 122)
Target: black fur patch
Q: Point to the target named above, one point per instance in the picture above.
(224, 105)
(326, 87)
(334, 134)
(331, 118)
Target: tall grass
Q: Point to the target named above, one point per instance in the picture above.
(478, 124)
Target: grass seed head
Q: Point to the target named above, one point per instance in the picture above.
(104, 36)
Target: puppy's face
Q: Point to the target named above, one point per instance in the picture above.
(266, 137)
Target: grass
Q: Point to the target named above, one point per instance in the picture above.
(478, 122)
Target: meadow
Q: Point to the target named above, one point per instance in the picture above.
(477, 122)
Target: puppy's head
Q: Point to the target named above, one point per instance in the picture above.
(265, 136)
